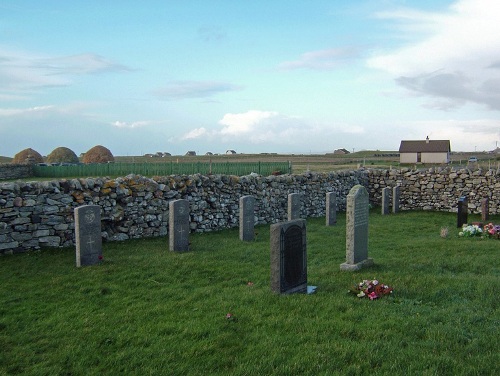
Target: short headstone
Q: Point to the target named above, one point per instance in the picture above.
(178, 225)
(386, 197)
(289, 257)
(357, 230)
(396, 197)
(294, 202)
(485, 209)
(462, 211)
(247, 218)
(331, 209)
(88, 235)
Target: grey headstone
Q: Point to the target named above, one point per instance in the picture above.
(294, 202)
(463, 205)
(357, 230)
(485, 209)
(289, 257)
(386, 197)
(88, 235)
(396, 197)
(178, 225)
(331, 208)
(247, 218)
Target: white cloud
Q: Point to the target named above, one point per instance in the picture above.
(456, 57)
(320, 60)
(135, 124)
(5, 112)
(195, 133)
(238, 124)
(193, 89)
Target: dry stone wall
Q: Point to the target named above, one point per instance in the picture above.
(38, 214)
(15, 171)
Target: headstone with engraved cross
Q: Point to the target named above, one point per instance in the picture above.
(247, 218)
(357, 230)
(88, 235)
(289, 257)
(178, 225)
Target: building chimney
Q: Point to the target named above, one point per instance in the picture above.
(427, 140)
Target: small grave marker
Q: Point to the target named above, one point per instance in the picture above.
(247, 218)
(485, 209)
(294, 202)
(88, 235)
(331, 209)
(385, 200)
(396, 197)
(289, 257)
(357, 230)
(179, 225)
(462, 211)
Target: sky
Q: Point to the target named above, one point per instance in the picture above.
(301, 76)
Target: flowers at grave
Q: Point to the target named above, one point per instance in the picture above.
(230, 317)
(371, 289)
(491, 230)
(444, 232)
(470, 231)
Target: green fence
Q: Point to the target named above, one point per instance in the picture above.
(162, 169)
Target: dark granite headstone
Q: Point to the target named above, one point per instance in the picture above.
(357, 230)
(178, 225)
(294, 202)
(331, 209)
(462, 211)
(247, 218)
(88, 235)
(485, 209)
(289, 257)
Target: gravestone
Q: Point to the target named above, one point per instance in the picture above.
(178, 225)
(357, 230)
(462, 211)
(88, 235)
(485, 209)
(294, 202)
(289, 257)
(247, 218)
(331, 209)
(396, 196)
(386, 197)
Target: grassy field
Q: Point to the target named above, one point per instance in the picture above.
(146, 310)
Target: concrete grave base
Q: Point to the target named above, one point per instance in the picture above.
(353, 267)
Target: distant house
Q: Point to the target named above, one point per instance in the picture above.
(209, 153)
(191, 153)
(424, 151)
(230, 152)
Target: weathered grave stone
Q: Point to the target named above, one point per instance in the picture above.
(294, 202)
(178, 226)
(331, 209)
(357, 230)
(385, 200)
(247, 218)
(485, 209)
(289, 257)
(396, 197)
(88, 235)
(462, 211)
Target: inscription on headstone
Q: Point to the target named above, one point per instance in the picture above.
(385, 200)
(462, 211)
(289, 257)
(396, 197)
(178, 225)
(247, 218)
(485, 209)
(331, 209)
(294, 202)
(88, 235)
(357, 230)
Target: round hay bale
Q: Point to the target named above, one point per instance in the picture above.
(62, 155)
(98, 154)
(27, 156)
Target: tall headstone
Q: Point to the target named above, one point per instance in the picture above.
(289, 257)
(357, 230)
(462, 211)
(485, 209)
(88, 235)
(247, 218)
(396, 197)
(386, 197)
(294, 202)
(178, 225)
(331, 209)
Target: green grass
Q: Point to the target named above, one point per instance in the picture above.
(146, 310)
